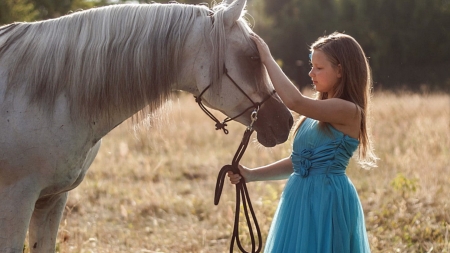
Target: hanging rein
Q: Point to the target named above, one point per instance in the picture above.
(241, 188)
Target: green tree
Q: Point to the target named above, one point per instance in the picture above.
(406, 40)
(16, 10)
(31, 10)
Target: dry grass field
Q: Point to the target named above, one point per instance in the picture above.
(152, 189)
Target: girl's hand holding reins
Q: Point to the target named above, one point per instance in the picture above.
(236, 178)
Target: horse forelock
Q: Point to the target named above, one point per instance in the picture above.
(110, 59)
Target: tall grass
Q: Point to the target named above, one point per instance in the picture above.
(151, 190)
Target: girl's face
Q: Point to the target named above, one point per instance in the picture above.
(323, 73)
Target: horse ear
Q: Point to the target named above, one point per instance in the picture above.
(233, 12)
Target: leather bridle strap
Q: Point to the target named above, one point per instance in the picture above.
(222, 125)
(241, 187)
(241, 193)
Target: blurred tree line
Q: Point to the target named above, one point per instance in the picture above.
(407, 41)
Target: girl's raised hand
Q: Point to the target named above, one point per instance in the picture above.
(263, 48)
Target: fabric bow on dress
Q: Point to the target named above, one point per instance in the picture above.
(303, 160)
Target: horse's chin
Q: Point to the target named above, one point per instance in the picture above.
(268, 137)
(266, 140)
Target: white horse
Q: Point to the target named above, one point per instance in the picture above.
(65, 83)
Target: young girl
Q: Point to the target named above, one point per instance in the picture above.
(319, 210)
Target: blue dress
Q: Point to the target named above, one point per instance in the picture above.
(319, 210)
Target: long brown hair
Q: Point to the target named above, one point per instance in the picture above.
(355, 84)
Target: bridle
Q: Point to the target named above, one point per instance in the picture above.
(222, 125)
(241, 188)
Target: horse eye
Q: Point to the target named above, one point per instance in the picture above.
(255, 58)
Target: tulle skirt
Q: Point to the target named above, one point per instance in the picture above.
(318, 214)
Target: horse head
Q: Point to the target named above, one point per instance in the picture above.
(232, 79)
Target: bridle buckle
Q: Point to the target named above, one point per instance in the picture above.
(253, 118)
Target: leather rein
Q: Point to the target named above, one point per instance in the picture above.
(241, 188)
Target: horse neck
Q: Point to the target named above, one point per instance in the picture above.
(192, 73)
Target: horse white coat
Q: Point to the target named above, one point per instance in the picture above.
(58, 99)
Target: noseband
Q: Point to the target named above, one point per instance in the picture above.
(241, 188)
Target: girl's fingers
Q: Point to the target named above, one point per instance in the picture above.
(256, 38)
(234, 178)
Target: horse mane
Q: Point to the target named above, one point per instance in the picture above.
(108, 59)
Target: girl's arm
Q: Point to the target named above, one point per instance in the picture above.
(332, 110)
(275, 171)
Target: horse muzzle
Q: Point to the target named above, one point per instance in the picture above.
(274, 123)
